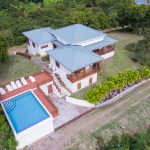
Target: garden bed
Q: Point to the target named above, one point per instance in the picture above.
(115, 85)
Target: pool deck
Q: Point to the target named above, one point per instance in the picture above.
(40, 78)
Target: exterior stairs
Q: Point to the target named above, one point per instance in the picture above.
(61, 82)
(60, 86)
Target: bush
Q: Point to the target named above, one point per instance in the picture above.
(116, 82)
(125, 142)
(7, 139)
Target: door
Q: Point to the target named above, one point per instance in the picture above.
(50, 89)
(79, 85)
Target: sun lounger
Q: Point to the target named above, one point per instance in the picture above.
(18, 84)
(14, 86)
(2, 91)
(24, 82)
(9, 88)
(32, 79)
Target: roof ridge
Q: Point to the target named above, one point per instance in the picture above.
(74, 29)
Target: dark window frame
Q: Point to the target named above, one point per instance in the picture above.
(57, 64)
(33, 44)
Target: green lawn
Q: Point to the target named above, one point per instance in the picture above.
(120, 62)
(22, 47)
(17, 67)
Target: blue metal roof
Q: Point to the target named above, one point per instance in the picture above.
(139, 2)
(40, 36)
(74, 57)
(59, 44)
(76, 33)
(107, 41)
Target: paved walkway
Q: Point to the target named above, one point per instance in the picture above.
(59, 139)
(66, 111)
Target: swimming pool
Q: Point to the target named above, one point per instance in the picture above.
(24, 111)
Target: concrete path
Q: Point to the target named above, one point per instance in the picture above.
(66, 110)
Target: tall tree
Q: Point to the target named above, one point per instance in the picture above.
(3, 49)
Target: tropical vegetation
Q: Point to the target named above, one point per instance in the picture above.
(22, 15)
(116, 84)
(141, 49)
(139, 141)
(3, 50)
(7, 139)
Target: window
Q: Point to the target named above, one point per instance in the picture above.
(54, 46)
(57, 64)
(44, 46)
(33, 44)
(79, 85)
(90, 80)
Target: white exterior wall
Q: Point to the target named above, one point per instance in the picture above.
(84, 82)
(34, 133)
(42, 52)
(79, 102)
(32, 50)
(108, 55)
(63, 72)
(37, 49)
(89, 42)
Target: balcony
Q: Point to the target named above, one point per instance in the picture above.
(104, 50)
(82, 73)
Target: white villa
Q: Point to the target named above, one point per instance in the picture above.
(75, 52)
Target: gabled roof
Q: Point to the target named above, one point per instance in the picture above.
(106, 41)
(76, 33)
(57, 43)
(40, 36)
(74, 57)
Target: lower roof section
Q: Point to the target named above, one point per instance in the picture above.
(106, 41)
(74, 57)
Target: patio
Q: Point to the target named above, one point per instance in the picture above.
(67, 111)
(40, 79)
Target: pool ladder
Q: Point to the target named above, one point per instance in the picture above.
(9, 105)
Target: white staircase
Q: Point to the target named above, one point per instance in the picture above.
(60, 89)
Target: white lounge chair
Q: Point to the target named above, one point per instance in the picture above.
(32, 79)
(2, 91)
(9, 88)
(24, 82)
(14, 86)
(18, 84)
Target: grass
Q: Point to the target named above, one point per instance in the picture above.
(17, 67)
(23, 47)
(121, 61)
(134, 117)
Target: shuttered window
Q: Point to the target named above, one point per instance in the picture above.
(44, 46)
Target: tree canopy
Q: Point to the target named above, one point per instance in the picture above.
(3, 50)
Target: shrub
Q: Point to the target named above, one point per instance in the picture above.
(116, 82)
(125, 142)
(7, 139)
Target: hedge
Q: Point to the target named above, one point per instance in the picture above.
(116, 83)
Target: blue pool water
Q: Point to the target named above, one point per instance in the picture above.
(24, 111)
